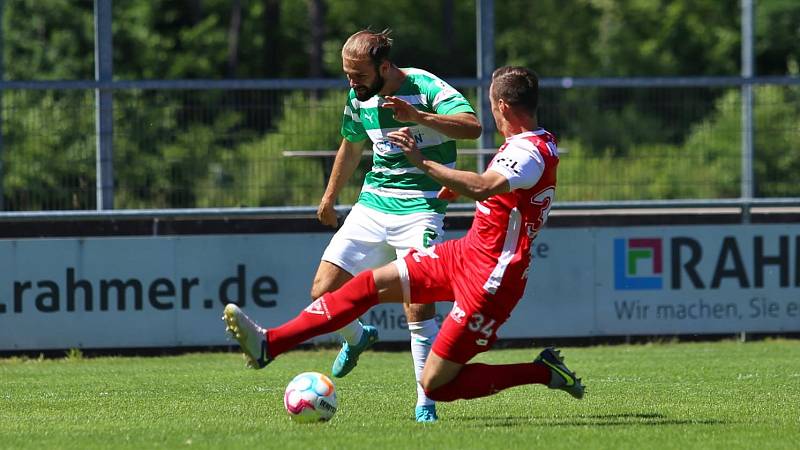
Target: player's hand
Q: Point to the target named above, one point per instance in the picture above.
(403, 111)
(327, 214)
(447, 194)
(405, 140)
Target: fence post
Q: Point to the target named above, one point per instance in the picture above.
(104, 112)
(2, 77)
(748, 180)
(485, 59)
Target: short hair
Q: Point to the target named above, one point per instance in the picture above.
(367, 44)
(517, 86)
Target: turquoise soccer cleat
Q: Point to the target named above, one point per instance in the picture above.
(560, 376)
(347, 358)
(250, 336)
(426, 413)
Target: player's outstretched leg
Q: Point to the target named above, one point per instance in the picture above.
(347, 358)
(560, 376)
(250, 336)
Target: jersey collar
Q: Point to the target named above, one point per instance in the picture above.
(537, 132)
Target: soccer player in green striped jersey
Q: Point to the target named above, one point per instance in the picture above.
(399, 207)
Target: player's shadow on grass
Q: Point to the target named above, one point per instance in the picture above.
(601, 420)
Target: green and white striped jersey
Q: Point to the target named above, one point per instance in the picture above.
(394, 185)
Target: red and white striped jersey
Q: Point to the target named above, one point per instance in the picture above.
(497, 246)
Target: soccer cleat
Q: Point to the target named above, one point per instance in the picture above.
(251, 337)
(426, 413)
(347, 358)
(560, 376)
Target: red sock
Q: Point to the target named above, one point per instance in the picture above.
(328, 313)
(481, 380)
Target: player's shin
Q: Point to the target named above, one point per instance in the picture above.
(481, 380)
(423, 334)
(326, 314)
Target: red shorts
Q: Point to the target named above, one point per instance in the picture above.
(437, 275)
(464, 334)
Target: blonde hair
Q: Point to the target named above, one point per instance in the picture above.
(367, 44)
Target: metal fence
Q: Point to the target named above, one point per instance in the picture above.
(236, 144)
(106, 144)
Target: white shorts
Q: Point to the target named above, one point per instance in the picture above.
(369, 238)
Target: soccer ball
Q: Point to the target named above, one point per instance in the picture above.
(310, 397)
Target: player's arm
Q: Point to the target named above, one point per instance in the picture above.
(473, 185)
(457, 126)
(462, 125)
(519, 167)
(347, 159)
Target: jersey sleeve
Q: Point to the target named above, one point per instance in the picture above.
(444, 99)
(352, 128)
(521, 164)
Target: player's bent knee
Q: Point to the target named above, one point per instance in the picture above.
(431, 382)
(432, 395)
(437, 394)
(426, 386)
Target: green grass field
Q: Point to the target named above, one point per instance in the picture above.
(724, 395)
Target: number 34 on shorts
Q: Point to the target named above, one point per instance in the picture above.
(482, 327)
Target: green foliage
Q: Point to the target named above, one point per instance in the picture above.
(265, 177)
(172, 40)
(777, 35)
(47, 40)
(633, 38)
(49, 150)
(181, 171)
(776, 145)
(650, 172)
(707, 165)
(777, 141)
(637, 38)
(419, 27)
(215, 149)
(689, 395)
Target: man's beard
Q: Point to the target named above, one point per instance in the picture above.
(372, 89)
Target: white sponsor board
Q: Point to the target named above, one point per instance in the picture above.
(170, 291)
(697, 279)
(663, 280)
(156, 291)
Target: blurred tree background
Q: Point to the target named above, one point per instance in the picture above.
(197, 148)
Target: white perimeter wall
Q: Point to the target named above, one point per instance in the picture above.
(585, 282)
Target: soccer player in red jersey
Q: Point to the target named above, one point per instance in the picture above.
(485, 271)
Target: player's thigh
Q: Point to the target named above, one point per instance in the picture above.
(425, 275)
(420, 231)
(359, 244)
(386, 277)
(388, 284)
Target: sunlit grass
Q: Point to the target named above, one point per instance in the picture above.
(675, 395)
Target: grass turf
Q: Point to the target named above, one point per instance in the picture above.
(724, 395)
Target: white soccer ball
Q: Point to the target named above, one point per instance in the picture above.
(310, 397)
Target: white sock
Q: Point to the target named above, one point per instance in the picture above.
(352, 332)
(422, 336)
